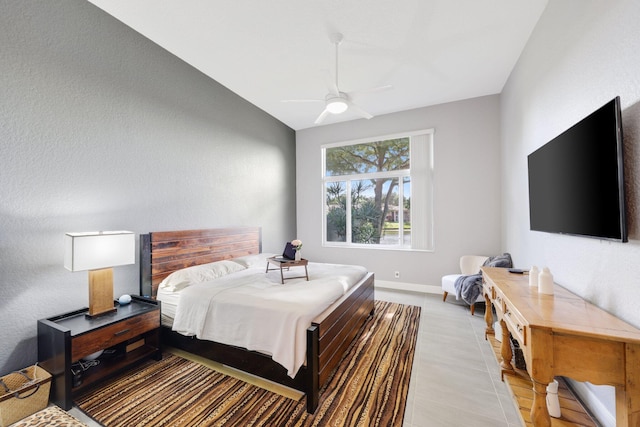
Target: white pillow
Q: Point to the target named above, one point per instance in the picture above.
(259, 260)
(199, 273)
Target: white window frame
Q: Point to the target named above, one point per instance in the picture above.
(421, 174)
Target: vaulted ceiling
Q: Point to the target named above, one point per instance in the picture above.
(267, 51)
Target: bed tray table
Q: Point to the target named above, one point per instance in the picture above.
(282, 263)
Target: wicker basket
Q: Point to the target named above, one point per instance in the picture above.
(23, 393)
(518, 354)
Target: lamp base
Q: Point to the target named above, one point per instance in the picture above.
(95, 316)
(101, 292)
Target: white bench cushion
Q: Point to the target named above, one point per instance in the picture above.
(449, 282)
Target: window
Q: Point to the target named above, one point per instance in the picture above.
(378, 193)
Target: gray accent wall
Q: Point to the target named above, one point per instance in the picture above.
(101, 129)
(580, 55)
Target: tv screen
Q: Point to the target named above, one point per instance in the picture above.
(576, 181)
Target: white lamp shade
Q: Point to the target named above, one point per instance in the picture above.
(99, 249)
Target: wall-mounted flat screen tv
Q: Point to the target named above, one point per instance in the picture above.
(576, 180)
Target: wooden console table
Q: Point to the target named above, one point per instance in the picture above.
(564, 335)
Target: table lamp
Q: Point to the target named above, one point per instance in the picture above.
(98, 252)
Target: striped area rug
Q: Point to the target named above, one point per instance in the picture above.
(368, 389)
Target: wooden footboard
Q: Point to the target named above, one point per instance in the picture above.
(331, 333)
(328, 336)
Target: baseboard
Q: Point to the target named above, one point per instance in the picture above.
(409, 287)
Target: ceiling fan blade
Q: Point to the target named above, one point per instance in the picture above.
(332, 84)
(371, 90)
(322, 116)
(359, 110)
(302, 100)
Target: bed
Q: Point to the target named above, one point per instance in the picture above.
(326, 337)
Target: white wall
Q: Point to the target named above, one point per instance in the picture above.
(101, 129)
(467, 189)
(581, 55)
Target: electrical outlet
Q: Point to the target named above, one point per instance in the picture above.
(396, 274)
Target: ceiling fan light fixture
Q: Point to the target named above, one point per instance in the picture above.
(337, 102)
(337, 105)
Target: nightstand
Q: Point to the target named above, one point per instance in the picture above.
(131, 334)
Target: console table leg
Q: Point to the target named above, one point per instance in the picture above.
(627, 409)
(488, 316)
(505, 350)
(539, 412)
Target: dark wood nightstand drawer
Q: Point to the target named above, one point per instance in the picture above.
(109, 336)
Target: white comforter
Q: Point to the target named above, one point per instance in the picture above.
(253, 310)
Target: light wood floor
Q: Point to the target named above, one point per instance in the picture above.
(521, 388)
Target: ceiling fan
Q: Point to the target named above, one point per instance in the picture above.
(336, 101)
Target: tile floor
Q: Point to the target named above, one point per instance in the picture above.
(455, 378)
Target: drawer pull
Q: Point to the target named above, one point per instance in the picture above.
(122, 332)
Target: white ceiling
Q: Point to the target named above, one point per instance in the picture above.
(430, 51)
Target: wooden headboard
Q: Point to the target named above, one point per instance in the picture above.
(163, 252)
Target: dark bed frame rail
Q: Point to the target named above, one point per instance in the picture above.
(328, 336)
